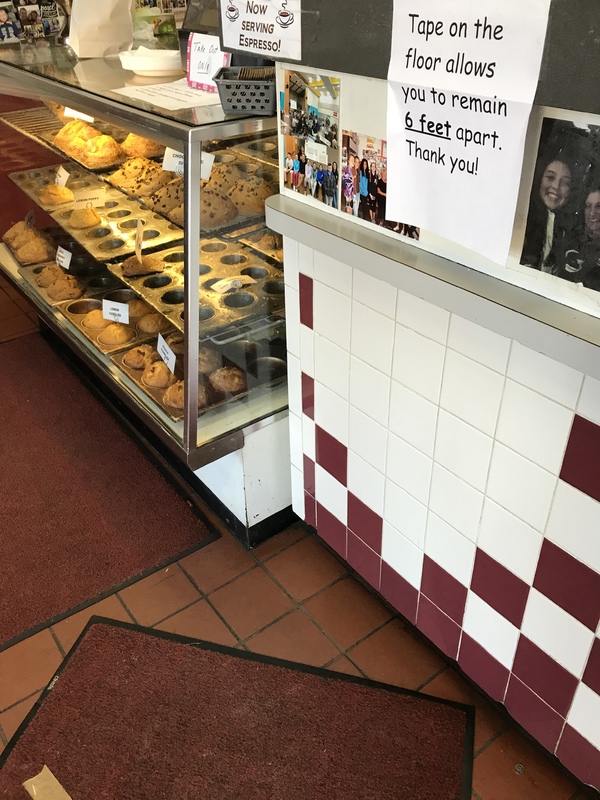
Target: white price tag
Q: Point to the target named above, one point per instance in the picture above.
(70, 112)
(139, 238)
(173, 161)
(206, 165)
(90, 198)
(226, 284)
(30, 218)
(63, 258)
(62, 176)
(117, 312)
(165, 352)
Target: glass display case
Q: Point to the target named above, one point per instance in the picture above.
(158, 269)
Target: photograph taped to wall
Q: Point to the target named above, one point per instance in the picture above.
(10, 28)
(562, 235)
(364, 182)
(312, 170)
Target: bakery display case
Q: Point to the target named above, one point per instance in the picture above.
(156, 268)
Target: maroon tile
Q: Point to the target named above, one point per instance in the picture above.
(331, 530)
(489, 674)
(499, 587)
(332, 455)
(569, 583)
(305, 285)
(366, 562)
(399, 593)
(365, 523)
(308, 395)
(544, 676)
(310, 510)
(442, 631)
(309, 475)
(581, 464)
(579, 756)
(591, 676)
(443, 590)
(530, 711)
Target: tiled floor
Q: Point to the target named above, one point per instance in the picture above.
(291, 598)
(17, 315)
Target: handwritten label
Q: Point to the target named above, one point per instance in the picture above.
(226, 284)
(30, 218)
(70, 112)
(90, 198)
(139, 238)
(117, 312)
(62, 176)
(174, 161)
(63, 258)
(269, 28)
(204, 59)
(165, 352)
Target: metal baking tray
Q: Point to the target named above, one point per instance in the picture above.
(219, 259)
(265, 150)
(58, 236)
(94, 276)
(269, 252)
(31, 181)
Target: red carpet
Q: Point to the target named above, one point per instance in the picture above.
(144, 715)
(82, 510)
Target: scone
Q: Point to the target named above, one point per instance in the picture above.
(153, 323)
(76, 129)
(116, 333)
(176, 342)
(177, 215)
(137, 308)
(54, 195)
(25, 237)
(48, 275)
(216, 209)
(167, 198)
(174, 396)
(158, 375)
(101, 151)
(95, 321)
(249, 195)
(139, 357)
(84, 218)
(36, 252)
(131, 169)
(15, 231)
(224, 177)
(65, 288)
(208, 359)
(228, 379)
(135, 145)
(150, 265)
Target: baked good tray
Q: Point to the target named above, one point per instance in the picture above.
(93, 276)
(265, 150)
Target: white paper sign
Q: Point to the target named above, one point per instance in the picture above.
(62, 176)
(173, 161)
(90, 197)
(225, 284)
(117, 312)
(204, 59)
(139, 238)
(70, 112)
(171, 96)
(462, 79)
(316, 152)
(268, 28)
(63, 258)
(165, 352)
(30, 218)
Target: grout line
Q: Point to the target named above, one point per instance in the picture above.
(3, 737)
(22, 699)
(124, 604)
(432, 678)
(507, 726)
(476, 795)
(57, 640)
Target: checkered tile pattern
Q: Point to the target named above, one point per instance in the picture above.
(457, 472)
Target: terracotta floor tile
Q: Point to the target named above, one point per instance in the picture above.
(26, 667)
(294, 638)
(451, 686)
(200, 622)
(159, 595)
(393, 655)
(347, 611)
(250, 602)
(305, 568)
(69, 629)
(11, 719)
(3, 296)
(12, 293)
(16, 326)
(279, 542)
(9, 309)
(217, 563)
(24, 304)
(342, 664)
(494, 776)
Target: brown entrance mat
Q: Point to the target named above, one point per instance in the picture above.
(83, 512)
(135, 713)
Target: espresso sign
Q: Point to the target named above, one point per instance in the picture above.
(268, 28)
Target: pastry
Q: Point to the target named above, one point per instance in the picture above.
(36, 251)
(101, 151)
(15, 231)
(25, 237)
(153, 323)
(215, 209)
(228, 379)
(54, 195)
(176, 342)
(135, 145)
(249, 195)
(116, 333)
(95, 321)
(167, 198)
(65, 288)
(139, 357)
(224, 177)
(84, 218)
(137, 308)
(174, 396)
(177, 216)
(48, 275)
(132, 168)
(149, 265)
(140, 177)
(208, 359)
(158, 375)
(76, 129)
(57, 110)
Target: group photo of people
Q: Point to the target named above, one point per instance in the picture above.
(312, 170)
(562, 234)
(10, 28)
(364, 182)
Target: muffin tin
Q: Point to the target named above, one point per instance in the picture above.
(94, 277)
(265, 150)
(58, 236)
(31, 181)
(165, 291)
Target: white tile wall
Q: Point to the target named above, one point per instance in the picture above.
(418, 363)
(290, 255)
(333, 273)
(367, 438)
(292, 315)
(366, 483)
(463, 450)
(455, 502)
(549, 377)
(331, 412)
(375, 294)
(491, 630)
(305, 260)
(405, 514)
(331, 494)
(478, 343)
(331, 314)
(520, 486)
(509, 540)
(584, 715)
(534, 426)
(408, 468)
(471, 391)
(402, 555)
(423, 317)
(296, 453)
(589, 401)
(369, 391)
(572, 517)
(556, 632)
(294, 384)
(308, 437)
(413, 418)
(372, 337)
(450, 549)
(332, 366)
(307, 350)
(298, 492)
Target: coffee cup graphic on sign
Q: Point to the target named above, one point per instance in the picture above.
(285, 17)
(232, 12)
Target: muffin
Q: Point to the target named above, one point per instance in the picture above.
(139, 357)
(54, 195)
(177, 215)
(176, 342)
(249, 195)
(158, 376)
(167, 198)
(174, 396)
(84, 218)
(48, 275)
(224, 177)
(148, 266)
(137, 308)
(101, 151)
(65, 288)
(153, 323)
(216, 209)
(95, 321)
(135, 145)
(228, 379)
(116, 333)
(208, 359)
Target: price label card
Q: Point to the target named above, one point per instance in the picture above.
(226, 284)
(63, 258)
(30, 218)
(62, 176)
(117, 312)
(173, 161)
(70, 112)
(90, 198)
(204, 59)
(139, 238)
(165, 352)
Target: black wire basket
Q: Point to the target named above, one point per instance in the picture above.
(247, 90)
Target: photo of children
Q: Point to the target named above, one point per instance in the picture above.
(10, 28)
(562, 235)
(364, 182)
(309, 115)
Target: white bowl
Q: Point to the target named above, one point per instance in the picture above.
(152, 63)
